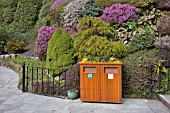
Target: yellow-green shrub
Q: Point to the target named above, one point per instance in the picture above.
(14, 46)
(118, 49)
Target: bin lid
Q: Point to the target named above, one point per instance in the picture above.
(101, 63)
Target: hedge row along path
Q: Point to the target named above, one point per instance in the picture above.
(12, 100)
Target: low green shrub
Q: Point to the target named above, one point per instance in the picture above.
(29, 62)
(14, 46)
(94, 46)
(26, 37)
(135, 74)
(118, 49)
(97, 46)
(144, 38)
(94, 26)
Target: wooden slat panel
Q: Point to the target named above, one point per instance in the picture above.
(89, 69)
(89, 90)
(103, 85)
(111, 70)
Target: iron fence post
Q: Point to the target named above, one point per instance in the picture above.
(23, 76)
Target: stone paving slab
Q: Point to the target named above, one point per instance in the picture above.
(165, 99)
(13, 100)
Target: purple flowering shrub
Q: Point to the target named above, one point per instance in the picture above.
(119, 13)
(44, 36)
(70, 31)
(57, 3)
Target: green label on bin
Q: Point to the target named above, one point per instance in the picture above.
(90, 76)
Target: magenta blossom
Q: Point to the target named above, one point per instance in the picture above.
(118, 13)
(44, 35)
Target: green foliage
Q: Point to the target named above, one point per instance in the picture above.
(90, 10)
(107, 3)
(94, 26)
(1, 12)
(8, 15)
(60, 51)
(125, 32)
(150, 16)
(144, 38)
(29, 62)
(94, 46)
(128, 30)
(45, 8)
(26, 37)
(135, 72)
(47, 1)
(14, 47)
(141, 3)
(4, 37)
(97, 46)
(46, 21)
(92, 39)
(118, 49)
(9, 3)
(26, 15)
(8, 10)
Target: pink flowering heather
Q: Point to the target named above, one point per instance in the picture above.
(118, 13)
(70, 31)
(57, 3)
(44, 36)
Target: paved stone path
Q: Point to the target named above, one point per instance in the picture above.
(13, 100)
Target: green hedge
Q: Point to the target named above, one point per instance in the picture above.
(135, 74)
(26, 14)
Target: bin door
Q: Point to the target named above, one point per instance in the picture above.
(111, 84)
(89, 88)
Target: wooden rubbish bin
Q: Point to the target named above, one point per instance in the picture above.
(101, 82)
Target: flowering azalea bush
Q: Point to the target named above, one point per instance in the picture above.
(119, 13)
(44, 36)
(101, 59)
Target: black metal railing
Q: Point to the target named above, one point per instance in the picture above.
(43, 81)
